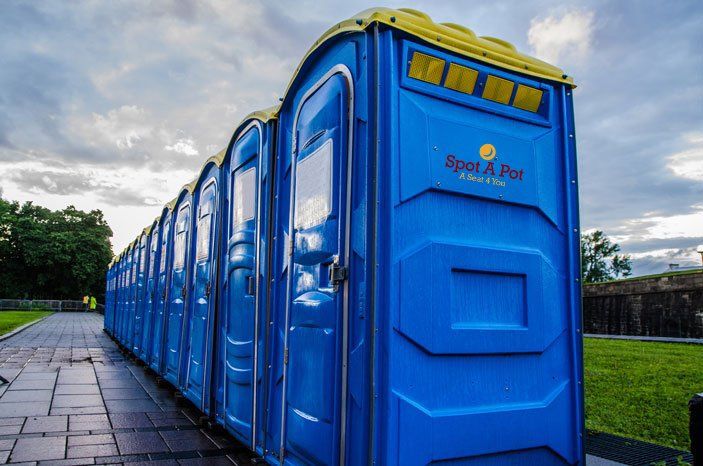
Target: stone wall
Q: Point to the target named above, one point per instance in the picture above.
(662, 306)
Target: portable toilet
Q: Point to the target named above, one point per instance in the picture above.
(200, 316)
(161, 292)
(178, 287)
(124, 302)
(131, 310)
(149, 293)
(137, 321)
(245, 197)
(118, 295)
(109, 293)
(126, 298)
(426, 266)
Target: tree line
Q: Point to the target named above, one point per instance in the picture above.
(47, 254)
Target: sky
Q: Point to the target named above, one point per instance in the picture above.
(116, 105)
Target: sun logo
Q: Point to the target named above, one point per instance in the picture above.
(487, 152)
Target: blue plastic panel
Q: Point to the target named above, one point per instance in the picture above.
(480, 365)
(178, 290)
(239, 310)
(150, 294)
(200, 312)
(161, 293)
(142, 254)
(316, 311)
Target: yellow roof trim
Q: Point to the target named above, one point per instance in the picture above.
(217, 159)
(449, 36)
(265, 115)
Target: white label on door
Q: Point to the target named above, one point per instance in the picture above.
(313, 187)
(244, 196)
(203, 249)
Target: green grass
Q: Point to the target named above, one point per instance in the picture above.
(10, 320)
(641, 389)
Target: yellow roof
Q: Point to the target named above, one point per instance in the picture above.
(452, 37)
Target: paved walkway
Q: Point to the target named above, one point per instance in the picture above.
(75, 399)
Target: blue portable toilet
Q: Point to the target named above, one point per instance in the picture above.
(161, 289)
(118, 296)
(426, 265)
(198, 326)
(149, 292)
(178, 286)
(124, 279)
(109, 295)
(131, 310)
(126, 299)
(241, 329)
(142, 257)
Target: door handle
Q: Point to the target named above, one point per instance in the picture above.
(251, 285)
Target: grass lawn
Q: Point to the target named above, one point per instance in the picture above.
(641, 389)
(10, 320)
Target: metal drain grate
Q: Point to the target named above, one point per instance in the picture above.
(632, 452)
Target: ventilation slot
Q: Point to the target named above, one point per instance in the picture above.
(498, 89)
(527, 98)
(461, 78)
(426, 68)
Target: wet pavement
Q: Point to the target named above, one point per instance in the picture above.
(74, 398)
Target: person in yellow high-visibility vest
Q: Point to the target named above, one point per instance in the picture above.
(93, 303)
(86, 300)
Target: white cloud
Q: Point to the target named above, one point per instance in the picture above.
(184, 146)
(565, 38)
(689, 163)
(125, 126)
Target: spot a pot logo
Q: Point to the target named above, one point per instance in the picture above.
(484, 169)
(487, 152)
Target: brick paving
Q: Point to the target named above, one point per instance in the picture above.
(75, 398)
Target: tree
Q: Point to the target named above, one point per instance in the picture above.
(599, 259)
(47, 254)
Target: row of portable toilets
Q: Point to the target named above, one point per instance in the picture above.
(383, 269)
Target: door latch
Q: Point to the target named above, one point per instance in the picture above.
(208, 288)
(183, 292)
(338, 274)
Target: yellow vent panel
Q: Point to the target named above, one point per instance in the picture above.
(461, 78)
(426, 68)
(498, 89)
(527, 98)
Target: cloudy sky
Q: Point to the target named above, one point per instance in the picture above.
(115, 105)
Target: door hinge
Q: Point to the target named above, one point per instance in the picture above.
(208, 288)
(285, 356)
(183, 291)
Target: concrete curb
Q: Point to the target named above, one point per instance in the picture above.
(23, 327)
